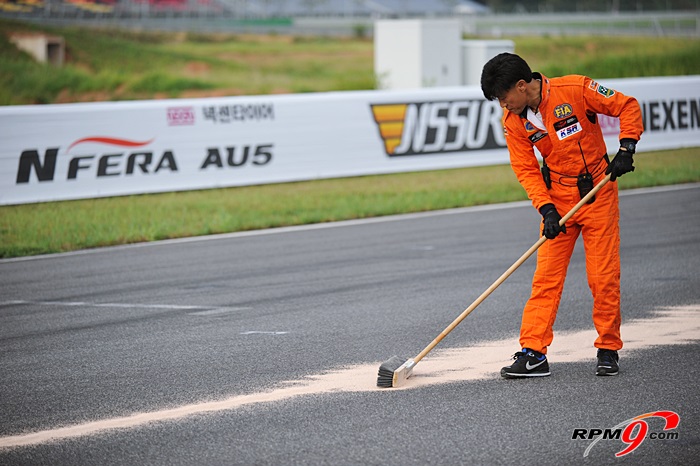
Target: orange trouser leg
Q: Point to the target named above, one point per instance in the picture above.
(598, 223)
(601, 241)
(547, 285)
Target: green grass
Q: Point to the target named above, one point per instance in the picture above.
(122, 65)
(119, 65)
(65, 226)
(604, 57)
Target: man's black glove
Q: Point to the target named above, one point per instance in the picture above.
(551, 221)
(622, 163)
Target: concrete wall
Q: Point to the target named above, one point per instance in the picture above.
(44, 48)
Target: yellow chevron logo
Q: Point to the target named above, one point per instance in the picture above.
(390, 119)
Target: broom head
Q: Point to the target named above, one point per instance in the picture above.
(394, 372)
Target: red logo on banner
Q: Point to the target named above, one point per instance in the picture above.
(111, 141)
(180, 116)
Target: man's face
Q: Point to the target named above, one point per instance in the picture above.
(515, 100)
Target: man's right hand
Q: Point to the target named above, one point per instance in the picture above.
(551, 221)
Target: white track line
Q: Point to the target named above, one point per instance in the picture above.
(201, 310)
(670, 326)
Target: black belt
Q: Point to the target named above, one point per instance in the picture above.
(563, 177)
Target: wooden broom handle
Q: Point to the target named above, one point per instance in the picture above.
(508, 272)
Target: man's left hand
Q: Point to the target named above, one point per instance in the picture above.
(621, 164)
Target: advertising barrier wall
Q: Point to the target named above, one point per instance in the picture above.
(73, 151)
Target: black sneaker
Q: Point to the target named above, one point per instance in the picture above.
(528, 363)
(607, 362)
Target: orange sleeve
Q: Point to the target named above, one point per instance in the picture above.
(613, 103)
(524, 162)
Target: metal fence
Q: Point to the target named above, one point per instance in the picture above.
(209, 16)
(678, 24)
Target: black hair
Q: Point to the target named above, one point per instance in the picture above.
(501, 73)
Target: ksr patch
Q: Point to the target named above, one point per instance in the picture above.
(568, 127)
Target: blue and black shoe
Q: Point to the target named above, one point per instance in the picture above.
(528, 363)
(607, 362)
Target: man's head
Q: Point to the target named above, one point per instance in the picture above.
(505, 78)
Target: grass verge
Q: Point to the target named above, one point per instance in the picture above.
(71, 225)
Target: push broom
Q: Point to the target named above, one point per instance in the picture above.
(395, 371)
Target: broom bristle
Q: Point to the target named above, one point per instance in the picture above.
(387, 369)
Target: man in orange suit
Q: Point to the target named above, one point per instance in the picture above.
(558, 116)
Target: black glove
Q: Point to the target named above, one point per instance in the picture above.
(551, 221)
(622, 163)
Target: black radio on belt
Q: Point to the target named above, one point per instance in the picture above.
(546, 176)
(584, 182)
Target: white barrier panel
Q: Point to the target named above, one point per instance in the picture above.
(73, 151)
(670, 107)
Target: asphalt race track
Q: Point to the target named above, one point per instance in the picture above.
(262, 348)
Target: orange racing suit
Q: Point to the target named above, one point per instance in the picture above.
(571, 143)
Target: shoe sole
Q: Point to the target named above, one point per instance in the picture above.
(507, 375)
(606, 370)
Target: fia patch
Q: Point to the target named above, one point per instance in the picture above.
(529, 127)
(563, 111)
(605, 91)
